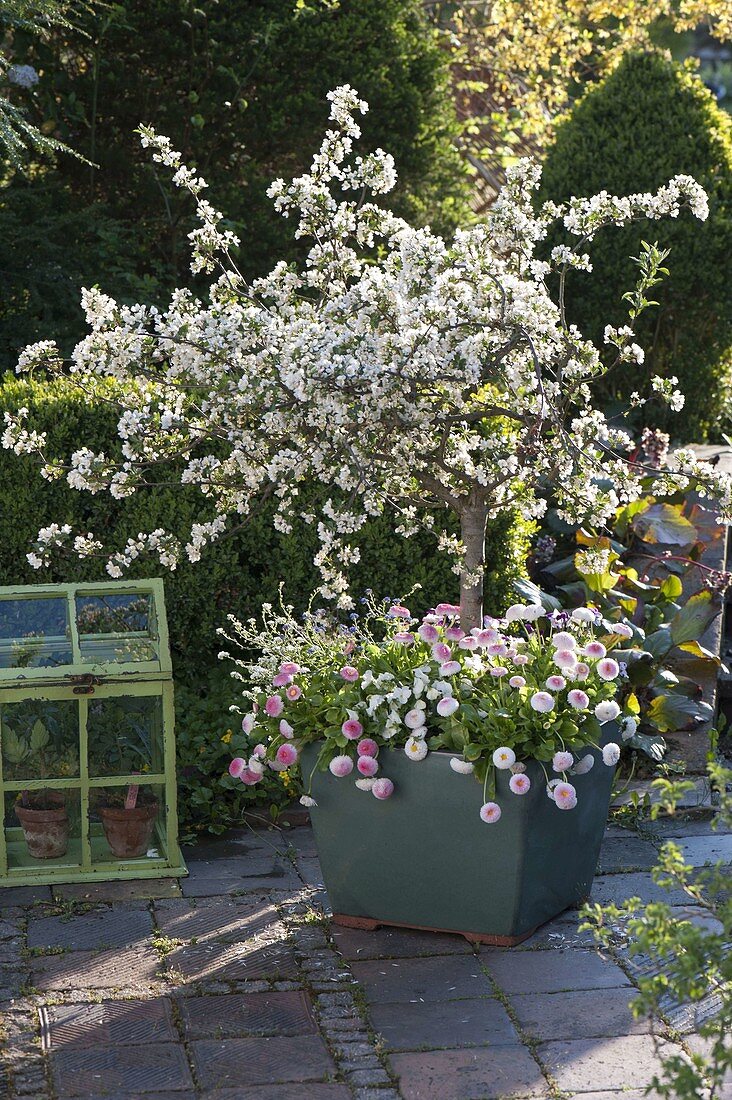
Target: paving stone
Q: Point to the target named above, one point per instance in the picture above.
(184, 1095)
(478, 1074)
(394, 943)
(617, 889)
(624, 1094)
(123, 890)
(578, 1015)
(218, 919)
(479, 1022)
(558, 934)
(24, 895)
(210, 878)
(310, 872)
(10, 955)
(301, 838)
(88, 931)
(286, 1092)
(237, 844)
(149, 1070)
(702, 850)
(444, 978)
(100, 970)
(582, 1065)
(628, 853)
(210, 961)
(261, 1061)
(9, 930)
(677, 826)
(275, 1013)
(551, 971)
(118, 1022)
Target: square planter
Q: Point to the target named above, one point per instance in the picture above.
(425, 859)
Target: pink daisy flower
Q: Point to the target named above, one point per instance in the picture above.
(286, 754)
(286, 729)
(289, 668)
(581, 671)
(497, 649)
(281, 679)
(578, 699)
(293, 692)
(367, 765)
(490, 812)
(441, 652)
(249, 778)
(429, 633)
(349, 673)
(611, 754)
(352, 729)
(542, 702)
(450, 668)
(236, 767)
(248, 723)
(341, 766)
(448, 609)
(487, 637)
(565, 796)
(517, 682)
(556, 683)
(468, 642)
(404, 637)
(447, 706)
(498, 672)
(608, 669)
(454, 634)
(504, 757)
(415, 718)
(397, 611)
(596, 650)
(259, 751)
(562, 761)
(274, 706)
(565, 658)
(382, 788)
(521, 659)
(563, 640)
(519, 783)
(367, 747)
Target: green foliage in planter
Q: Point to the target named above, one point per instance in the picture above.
(649, 120)
(691, 961)
(240, 90)
(643, 568)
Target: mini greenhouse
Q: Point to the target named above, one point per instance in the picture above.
(87, 749)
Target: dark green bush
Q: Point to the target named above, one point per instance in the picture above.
(240, 90)
(649, 120)
(235, 575)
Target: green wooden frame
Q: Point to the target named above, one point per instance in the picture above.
(88, 858)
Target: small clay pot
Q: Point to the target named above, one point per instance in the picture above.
(129, 831)
(46, 831)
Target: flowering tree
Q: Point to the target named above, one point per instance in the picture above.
(402, 371)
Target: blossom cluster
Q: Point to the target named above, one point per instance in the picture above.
(398, 369)
(529, 684)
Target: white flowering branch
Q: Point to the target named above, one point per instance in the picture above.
(399, 370)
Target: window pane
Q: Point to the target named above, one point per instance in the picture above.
(43, 829)
(40, 739)
(117, 628)
(127, 823)
(34, 633)
(125, 736)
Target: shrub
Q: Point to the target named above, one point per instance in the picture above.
(236, 574)
(648, 120)
(240, 90)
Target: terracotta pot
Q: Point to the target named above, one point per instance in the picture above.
(46, 831)
(129, 832)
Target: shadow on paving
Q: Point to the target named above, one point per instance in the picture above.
(230, 986)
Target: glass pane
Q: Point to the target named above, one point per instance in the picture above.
(125, 736)
(40, 739)
(127, 823)
(34, 633)
(117, 628)
(43, 829)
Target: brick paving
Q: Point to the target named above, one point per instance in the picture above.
(233, 985)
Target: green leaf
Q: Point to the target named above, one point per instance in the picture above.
(472, 752)
(672, 587)
(692, 620)
(665, 524)
(660, 642)
(652, 745)
(671, 713)
(533, 594)
(39, 736)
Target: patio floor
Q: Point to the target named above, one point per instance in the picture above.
(233, 985)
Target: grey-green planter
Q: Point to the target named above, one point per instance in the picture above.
(424, 858)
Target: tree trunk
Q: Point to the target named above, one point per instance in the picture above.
(472, 533)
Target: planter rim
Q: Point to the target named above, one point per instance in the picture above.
(124, 813)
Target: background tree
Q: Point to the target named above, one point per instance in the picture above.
(648, 120)
(239, 88)
(518, 66)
